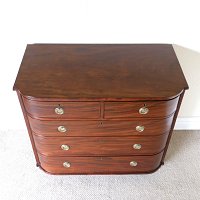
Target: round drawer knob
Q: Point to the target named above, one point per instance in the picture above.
(59, 111)
(137, 146)
(65, 147)
(143, 110)
(66, 164)
(139, 128)
(133, 163)
(62, 129)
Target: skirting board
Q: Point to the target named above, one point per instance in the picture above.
(187, 123)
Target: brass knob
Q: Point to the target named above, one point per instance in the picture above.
(139, 128)
(137, 146)
(59, 111)
(65, 147)
(66, 164)
(133, 163)
(62, 129)
(144, 110)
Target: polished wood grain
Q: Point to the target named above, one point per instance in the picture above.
(100, 72)
(28, 128)
(91, 110)
(100, 165)
(42, 109)
(101, 127)
(172, 125)
(101, 89)
(157, 109)
(96, 146)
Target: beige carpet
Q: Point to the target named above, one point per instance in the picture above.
(179, 178)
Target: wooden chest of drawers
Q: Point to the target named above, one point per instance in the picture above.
(100, 109)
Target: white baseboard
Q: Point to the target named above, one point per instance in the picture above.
(187, 123)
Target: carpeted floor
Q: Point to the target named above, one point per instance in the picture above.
(179, 178)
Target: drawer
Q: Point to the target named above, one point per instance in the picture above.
(62, 110)
(101, 165)
(100, 146)
(90, 128)
(150, 109)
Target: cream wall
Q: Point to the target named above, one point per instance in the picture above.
(94, 21)
(190, 63)
(189, 116)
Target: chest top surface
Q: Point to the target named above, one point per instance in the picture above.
(100, 71)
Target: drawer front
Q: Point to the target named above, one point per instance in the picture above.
(101, 128)
(100, 165)
(100, 146)
(62, 110)
(156, 109)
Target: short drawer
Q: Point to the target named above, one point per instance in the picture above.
(100, 165)
(100, 146)
(90, 128)
(62, 110)
(149, 109)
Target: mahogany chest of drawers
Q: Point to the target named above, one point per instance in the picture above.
(100, 109)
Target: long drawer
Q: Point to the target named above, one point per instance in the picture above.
(100, 165)
(100, 128)
(100, 146)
